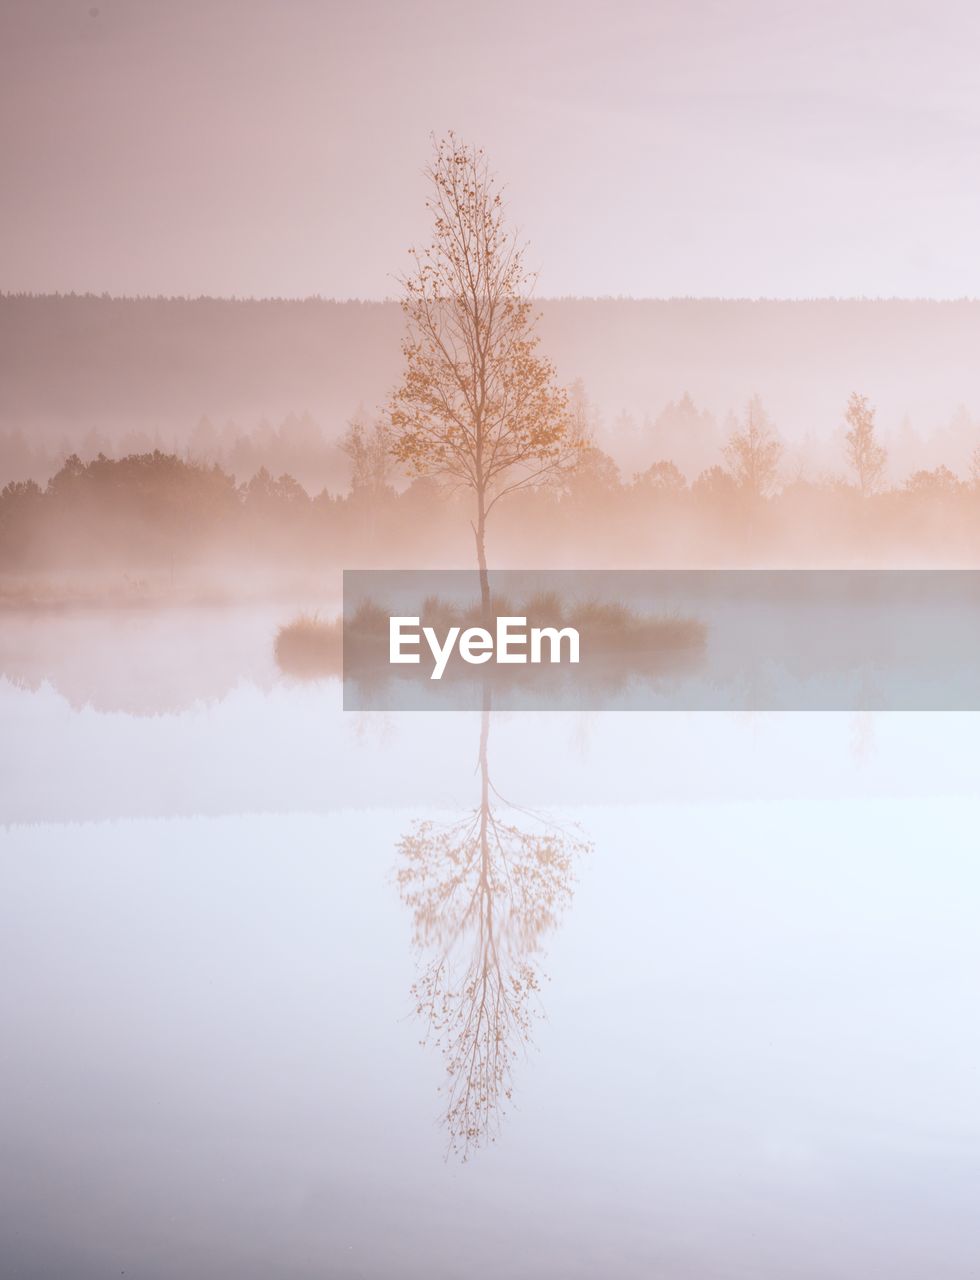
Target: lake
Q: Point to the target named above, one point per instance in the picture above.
(288, 991)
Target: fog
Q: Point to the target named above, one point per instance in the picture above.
(306, 972)
(273, 383)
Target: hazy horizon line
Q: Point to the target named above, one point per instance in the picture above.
(104, 296)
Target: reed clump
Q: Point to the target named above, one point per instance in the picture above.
(310, 648)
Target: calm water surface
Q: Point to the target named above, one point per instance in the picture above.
(292, 993)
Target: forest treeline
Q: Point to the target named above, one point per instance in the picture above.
(296, 445)
(86, 374)
(682, 430)
(156, 510)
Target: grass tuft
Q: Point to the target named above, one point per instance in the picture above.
(309, 648)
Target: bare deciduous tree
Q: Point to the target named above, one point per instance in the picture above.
(368, 446)
(865, 455)
(478, 406)
(753, 453)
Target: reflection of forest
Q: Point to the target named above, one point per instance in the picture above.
(484, 893)
(141, 661)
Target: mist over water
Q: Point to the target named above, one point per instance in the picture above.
(749, 998)
(290, 989)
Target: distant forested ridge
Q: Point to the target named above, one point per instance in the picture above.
(73, 365)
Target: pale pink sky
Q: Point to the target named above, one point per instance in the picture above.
(652, 149)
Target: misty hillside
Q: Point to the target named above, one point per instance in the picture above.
(70, 364)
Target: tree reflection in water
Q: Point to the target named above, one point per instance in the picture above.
(484, 891)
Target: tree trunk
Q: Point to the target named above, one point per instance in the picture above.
(479, 530)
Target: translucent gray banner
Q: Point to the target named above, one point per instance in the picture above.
(663, 640)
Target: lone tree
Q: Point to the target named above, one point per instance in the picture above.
(753, 453)
(865, 455)
(478, 407)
